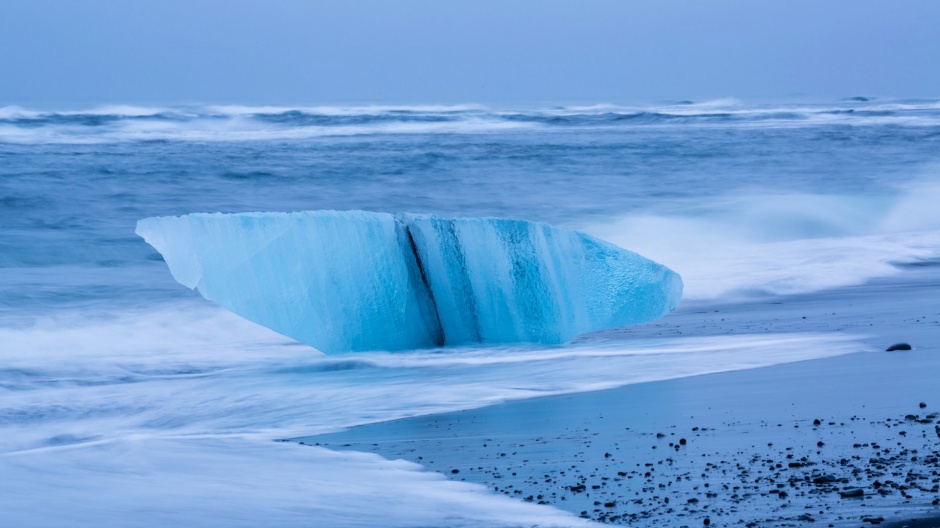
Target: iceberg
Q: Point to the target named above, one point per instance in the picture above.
(356, 281)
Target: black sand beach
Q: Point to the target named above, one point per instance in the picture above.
(852, 440)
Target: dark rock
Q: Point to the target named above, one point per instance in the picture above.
(852, 493)
(898, 346)
(922, 405)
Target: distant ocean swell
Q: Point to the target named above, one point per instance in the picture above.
(245, 123)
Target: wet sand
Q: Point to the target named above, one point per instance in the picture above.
(852, 440)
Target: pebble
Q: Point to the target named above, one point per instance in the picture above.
(801, 479)
(898, 346)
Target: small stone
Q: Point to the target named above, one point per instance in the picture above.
(922, 405)
(707, 521)
(682, 441)
(852, 492)
(824, 479)
(455, 471)
(898, 346)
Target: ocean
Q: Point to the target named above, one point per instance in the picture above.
(127, 399)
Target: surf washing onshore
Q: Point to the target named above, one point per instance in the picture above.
(126, 399)
(851, 440)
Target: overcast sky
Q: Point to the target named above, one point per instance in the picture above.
(454, 51)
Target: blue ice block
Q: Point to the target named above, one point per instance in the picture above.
(355, 280)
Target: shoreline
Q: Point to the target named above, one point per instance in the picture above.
(727, 444)
(784, 445)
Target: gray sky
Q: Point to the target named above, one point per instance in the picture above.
(453, 51)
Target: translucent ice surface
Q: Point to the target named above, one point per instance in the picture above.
(354, 280)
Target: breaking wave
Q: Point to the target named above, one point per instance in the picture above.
(118, 123)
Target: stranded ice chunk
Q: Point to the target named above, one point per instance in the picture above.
(354, 280)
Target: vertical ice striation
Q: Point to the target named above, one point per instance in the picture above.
(355, 280)
(503, 281)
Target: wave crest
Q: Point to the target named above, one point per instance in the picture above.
(116, 123)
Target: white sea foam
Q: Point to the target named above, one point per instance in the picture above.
(121, 111)
(109, 417)
(17, 112)
(345, 110)
(770, 115)
(253, 123)
(786, 244)
(239, 128)
(220, 358)
(233, 481)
